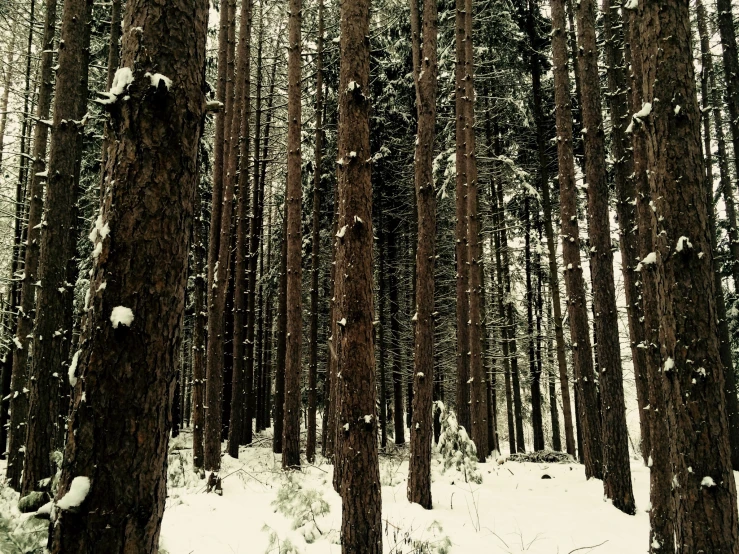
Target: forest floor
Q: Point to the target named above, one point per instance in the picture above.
(264, 510)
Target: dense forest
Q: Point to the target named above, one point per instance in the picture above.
(288, 276)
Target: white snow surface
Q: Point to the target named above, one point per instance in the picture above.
(76, 494)
(514, 510)
(121, 316)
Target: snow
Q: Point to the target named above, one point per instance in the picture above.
(669, 364)
(682, 242)
(157, 78)
(121, 316)
(123, 77)
(650, 258)
(342, 232)
(646, 109)
(73, 369)
(76, 495)
(514, 510)
(17, 343)
(708, 482)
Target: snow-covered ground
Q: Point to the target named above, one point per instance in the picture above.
(514, 510)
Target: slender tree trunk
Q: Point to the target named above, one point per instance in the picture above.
(461, 251)
(580, 335)
(7, 81)
(552, 378)
(381, 294)
(35, 468)
(706, 507)
(395, 338)
(615, 443)
(54, 301)
(114, 56)
(310, 449)
(18, 402)
(419, 471)
(198, 336)
(478, 388)
(361, 522)
(239, 158)
(294, 196)
(710, 95)
(278, 413)
(132, 325)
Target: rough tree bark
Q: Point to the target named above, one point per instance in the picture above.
(136, 318)
(576, 305)
(706, 506)
(361, 522)
(425, 73)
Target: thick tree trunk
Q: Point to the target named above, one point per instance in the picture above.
(587, 400)
(706, 508)
(310, 448)
(36, 468)
(361, 523)
(136, 321)
(463, 342)
(54, 302)
(294, 196)
(419, 471)
(661, 513)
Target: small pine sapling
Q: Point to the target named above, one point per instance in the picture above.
(456, 447)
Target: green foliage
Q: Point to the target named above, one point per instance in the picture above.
(302, 506)
(456, 447)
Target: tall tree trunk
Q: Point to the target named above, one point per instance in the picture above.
(294, 198)
(239, 158)
(661, 513)
(278, 414)
(580, 335)
(552, 378)
(132, 325)
(7, 82)
(536, 419)
(18, 402)
(218, 260)
(198, 335)
(114, 57)
(419, 470)
(310, 449)
(395, 338)
(478, 388)
(615, 443)
(706, 507)
(710, 95)
(35, 468)
(54, 301)
(361, 521)
(460, 114)
(381, 295)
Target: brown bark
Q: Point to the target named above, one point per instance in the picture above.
(661, 513)
(35, 468)
(576, 305)
(478, 388)
(294, 198)
(710, 95)
(239, 158)
(395, 338)
(114, 516)
(310, 448)
(279, 404)
(615, 443)
(419, 470)
(357, 463)
(705, 506)
(463, 342)
(382, 318)
(198, 336)
(54, 301)
(114, 57)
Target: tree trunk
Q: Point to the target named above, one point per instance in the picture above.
(419, 471)
(575, 286)
(381, 294)
(661, 513)
(35, 468)
(54, 302)
(239, 127)
(294, 196)
(198, 336)
(361, 522)
(278, 414)
(132, 325)
(395, 338)
(310, 448)
(463, 342)
(706, 508)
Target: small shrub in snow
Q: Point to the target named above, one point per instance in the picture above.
(302, 506)
(433, 541)
(456, 447)
(279, 545)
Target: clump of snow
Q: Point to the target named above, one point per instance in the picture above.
(682, 242)
(708, 482)
(76, 495)
(17, 343)
(121, 316)
(157, 78)
(123, 77)
(669, 364)
(650, 258)
(646, 109)
(73, 369)
(342, 232)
